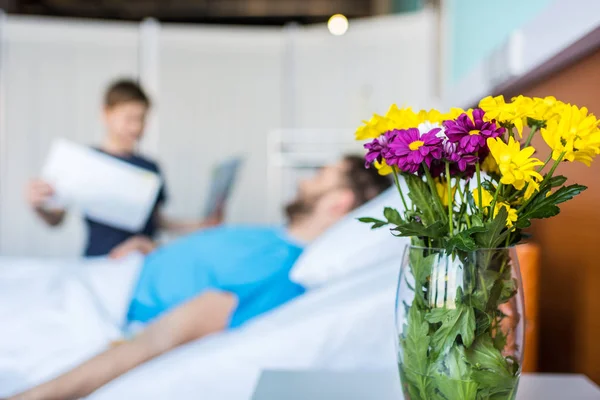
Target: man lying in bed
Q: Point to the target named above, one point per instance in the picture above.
(220, 278)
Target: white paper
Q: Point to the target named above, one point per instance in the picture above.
(106, 189)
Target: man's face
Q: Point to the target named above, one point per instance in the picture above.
(125, 122)
(322, 193)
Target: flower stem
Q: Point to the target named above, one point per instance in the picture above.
(450, 200)
(463, 200)
(479, 192)
(534, 129)
(493, 206)
(511, 133)
(397, 182)
(434, 193)
(545, 163)
(554, 166)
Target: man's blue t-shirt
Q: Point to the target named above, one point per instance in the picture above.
(103, 238)
(253, 263)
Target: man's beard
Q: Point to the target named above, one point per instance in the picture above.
(299, 208)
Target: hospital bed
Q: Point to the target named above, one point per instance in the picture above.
(56, 314)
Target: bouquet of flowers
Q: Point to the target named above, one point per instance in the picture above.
(474, 183)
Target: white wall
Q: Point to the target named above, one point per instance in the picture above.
(218, 91)
(552, 28)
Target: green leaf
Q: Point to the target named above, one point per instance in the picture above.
(412, 228)
(456, 363)
(376, 222)
(499, 340)
(489, 186)
(565, 193)
(509, 289)
(455, 382)
(470, 199)
(419, 193)
(476, 221)
(523, 223)
(456, 389)
(492, 235)
(420, 266)
(490, 369)
(486, 278)
(463, 241)
(392, 215)
(415, 344)
(455, 322)
(482, 322)
(545, 207)
(556, 181)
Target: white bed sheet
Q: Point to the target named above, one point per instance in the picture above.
(56, 313)
(342, 327)
(348, 325)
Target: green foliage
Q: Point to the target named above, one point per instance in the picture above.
(419, 193)
(470, 200)
(454, 322)
(412, 228)
(556, 181)
(488, 185)
(492, 236)
(377, 223)
(464, 241)
(421, 270)
(455, 382)
(392, 215)
(494, 373)
(483, 321)
(546, 207)
(416, 346)
(455, 351)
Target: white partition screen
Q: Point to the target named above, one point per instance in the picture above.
(53, 76)
(217, 92)
(220, 93)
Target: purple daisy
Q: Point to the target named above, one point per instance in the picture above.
(409, 149)
(456, 155)
(378, 148)
(471, 135)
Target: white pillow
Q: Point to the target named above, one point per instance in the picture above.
(351, 245)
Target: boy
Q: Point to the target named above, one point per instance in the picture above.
(125, 109)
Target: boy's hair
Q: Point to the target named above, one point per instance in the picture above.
(125, 91)
(365, 183)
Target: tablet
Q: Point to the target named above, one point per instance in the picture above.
(222, 179)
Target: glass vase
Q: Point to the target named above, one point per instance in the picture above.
(460, 324)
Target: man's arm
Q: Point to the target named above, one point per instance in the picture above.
(206, 314)
(187, 226)
(136, 244)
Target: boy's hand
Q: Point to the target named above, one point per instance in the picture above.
(136, 244)
(38, 192)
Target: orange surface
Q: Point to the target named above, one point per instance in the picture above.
(529, 261)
